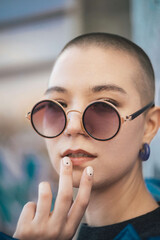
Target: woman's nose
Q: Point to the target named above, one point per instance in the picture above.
(74, 124)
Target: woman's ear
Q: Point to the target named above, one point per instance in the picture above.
(152, 124)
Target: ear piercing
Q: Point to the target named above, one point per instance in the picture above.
(144, 153)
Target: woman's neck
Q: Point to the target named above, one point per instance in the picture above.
(122, 201)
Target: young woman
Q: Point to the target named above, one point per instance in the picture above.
(98, 118)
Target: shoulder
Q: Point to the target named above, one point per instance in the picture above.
(145, 226)
(148, 225)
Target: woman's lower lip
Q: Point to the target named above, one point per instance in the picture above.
(80, 160)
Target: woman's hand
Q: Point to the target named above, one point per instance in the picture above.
(37, 222)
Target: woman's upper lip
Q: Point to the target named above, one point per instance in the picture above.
(70, 151)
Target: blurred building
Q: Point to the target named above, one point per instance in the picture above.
(145, 17)
(31, 35)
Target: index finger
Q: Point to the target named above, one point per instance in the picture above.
(65, 192)
(83, 196)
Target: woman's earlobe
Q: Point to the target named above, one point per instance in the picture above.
(152, 124)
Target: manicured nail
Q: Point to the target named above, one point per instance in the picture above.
(66, 161)
(89, 171)
(42, 187)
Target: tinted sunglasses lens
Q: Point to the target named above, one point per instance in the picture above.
(101, 121)
(48, 119)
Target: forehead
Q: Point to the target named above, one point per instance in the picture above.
(80, 69)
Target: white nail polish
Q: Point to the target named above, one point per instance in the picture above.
(89, 171)
(42, 187)
(66, 161)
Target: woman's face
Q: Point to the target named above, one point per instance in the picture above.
(78, 71)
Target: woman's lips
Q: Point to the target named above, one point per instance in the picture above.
(78, 156)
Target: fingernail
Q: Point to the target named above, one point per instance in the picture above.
(66, 161)
(42, 187)
(89, 171)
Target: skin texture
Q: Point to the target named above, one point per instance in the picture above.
(117, 183)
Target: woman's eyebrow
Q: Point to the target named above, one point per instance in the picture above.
(95, 89)
(56, 89)
(108, 87)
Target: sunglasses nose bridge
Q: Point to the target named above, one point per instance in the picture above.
(70, 116)
(72, 122)
(76, 111)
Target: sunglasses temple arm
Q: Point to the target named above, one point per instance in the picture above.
(136, 114)
(28, 115)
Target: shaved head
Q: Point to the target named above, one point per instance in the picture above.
(144, 79)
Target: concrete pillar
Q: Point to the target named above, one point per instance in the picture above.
(145, 17)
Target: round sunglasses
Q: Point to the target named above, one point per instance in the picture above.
(101, 120)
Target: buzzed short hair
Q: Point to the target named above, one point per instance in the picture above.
(145, 80)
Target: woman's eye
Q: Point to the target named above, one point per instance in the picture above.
(115, 103)
(63, 104)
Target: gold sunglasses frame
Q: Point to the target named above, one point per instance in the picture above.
(121, 119)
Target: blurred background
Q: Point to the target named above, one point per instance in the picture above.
(32, 33)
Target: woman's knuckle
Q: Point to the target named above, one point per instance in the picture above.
(83, 202)
(66, 196)
(29, 205)
(46, 195)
